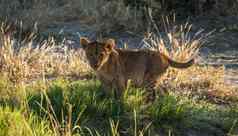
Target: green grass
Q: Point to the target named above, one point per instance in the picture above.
(79, 108)
(13, 122)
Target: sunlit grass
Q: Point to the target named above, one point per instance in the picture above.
(200, 80)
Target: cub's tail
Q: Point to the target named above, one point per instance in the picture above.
(175, 64)
(181, 65)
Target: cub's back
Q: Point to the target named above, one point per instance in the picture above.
(135, 55)
(137, 62)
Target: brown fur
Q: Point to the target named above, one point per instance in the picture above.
(115, 67)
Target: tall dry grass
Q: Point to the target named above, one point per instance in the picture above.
(23, 61)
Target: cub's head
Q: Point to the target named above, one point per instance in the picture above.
(97, 53)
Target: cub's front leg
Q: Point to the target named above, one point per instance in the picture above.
(113, 88)
(107, 86)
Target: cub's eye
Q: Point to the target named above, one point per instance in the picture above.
(101, 54)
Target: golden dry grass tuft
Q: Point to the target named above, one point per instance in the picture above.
(23, 61)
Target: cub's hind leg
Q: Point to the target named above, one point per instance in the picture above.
(151, 85)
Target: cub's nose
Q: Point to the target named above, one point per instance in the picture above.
(97, 65)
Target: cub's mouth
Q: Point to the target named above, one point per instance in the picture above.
(96, 66)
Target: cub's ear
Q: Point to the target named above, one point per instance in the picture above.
(110, 44)
(84, 42)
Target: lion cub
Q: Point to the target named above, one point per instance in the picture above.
(114, 67)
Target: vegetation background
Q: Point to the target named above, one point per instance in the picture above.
(47, 87)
